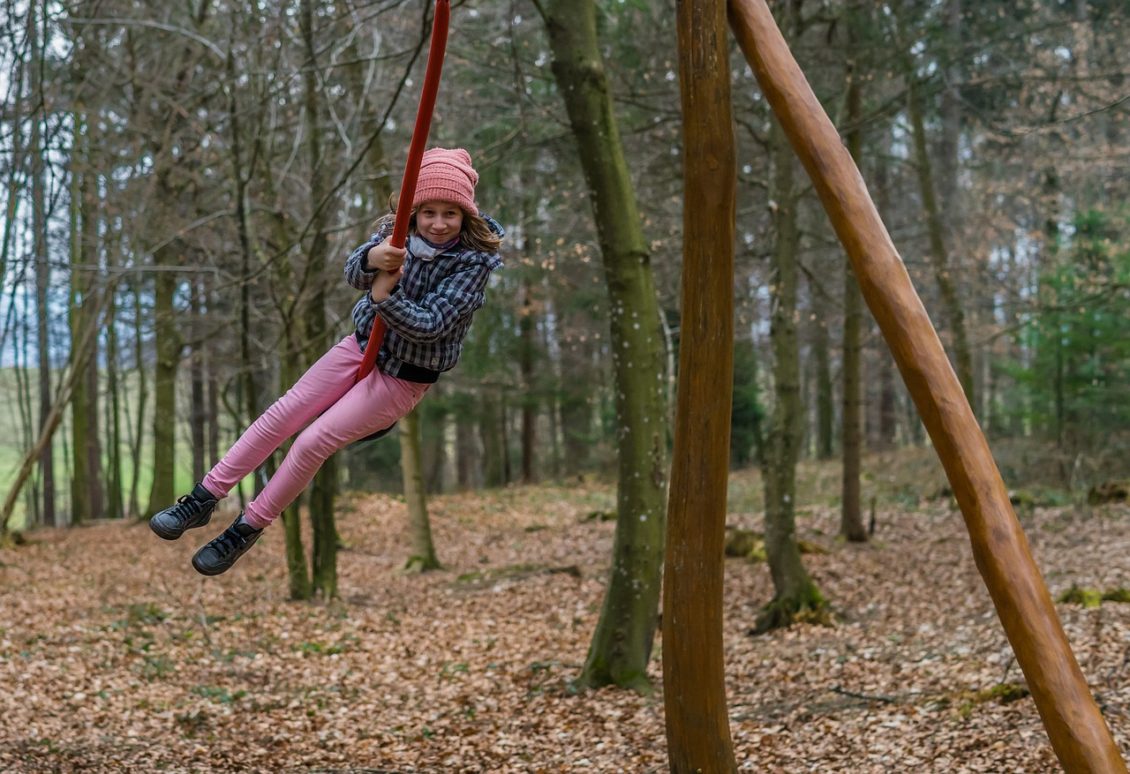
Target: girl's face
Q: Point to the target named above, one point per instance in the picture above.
(438, 221)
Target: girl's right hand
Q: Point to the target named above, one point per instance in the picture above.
(383, 284)
(385, 257)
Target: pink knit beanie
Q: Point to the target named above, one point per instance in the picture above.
(447, 176)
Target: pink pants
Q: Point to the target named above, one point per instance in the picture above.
(334, 411)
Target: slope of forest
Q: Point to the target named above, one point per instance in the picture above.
(118, 656)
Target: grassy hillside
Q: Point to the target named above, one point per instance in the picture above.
(14, 440)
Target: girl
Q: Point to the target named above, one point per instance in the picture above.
(426, 295)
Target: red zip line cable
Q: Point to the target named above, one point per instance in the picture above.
(412, 166)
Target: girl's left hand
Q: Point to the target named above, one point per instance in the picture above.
(383, 284)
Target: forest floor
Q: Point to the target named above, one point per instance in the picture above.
(117, 656)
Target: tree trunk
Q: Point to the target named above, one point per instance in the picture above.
(80, 288)
(1048, 260)
(168, 344)
(212, 452)
(466, 450)
(552, 416)
(526, 352)
(114, 500)
(951, 210)
(196, 412)
(504, 439)
(423, 557)
(553, 367)
(313, 288)
(248, 389)
(825, 408)
(298, 575)
(142, 399)
(323, 491)
(621, 644)
(949, 145)
(888, 402)
(939, 257)
(886, 425)
(576, 423)
(433, 440)
(851, 512)
(42, 268)
(795, 593)
(16, 178)
(25, 400)
(490, 433)
(694, 690)
(169, 186)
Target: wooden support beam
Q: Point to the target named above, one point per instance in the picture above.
(694, 692)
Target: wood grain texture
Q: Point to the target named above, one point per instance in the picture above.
(1079, 735)
(694, 694)
(622, 641)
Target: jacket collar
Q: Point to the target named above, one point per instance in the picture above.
(426, 251)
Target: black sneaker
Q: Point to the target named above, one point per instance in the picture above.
(219, 555)
(192, 510)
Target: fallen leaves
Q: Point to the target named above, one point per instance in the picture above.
(117, 656)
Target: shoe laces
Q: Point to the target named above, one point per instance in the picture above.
(187, 506)
(228, 542)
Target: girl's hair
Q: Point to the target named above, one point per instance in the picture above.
(475, 232)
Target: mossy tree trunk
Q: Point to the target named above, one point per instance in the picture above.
(423, 557)
(622, 642)
(794, 590)
(298, 575)
(323, 492)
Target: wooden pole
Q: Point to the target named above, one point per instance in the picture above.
(694, 691)
(1078, 733)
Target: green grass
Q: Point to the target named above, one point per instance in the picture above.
(15, 439)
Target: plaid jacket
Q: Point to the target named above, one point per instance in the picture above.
(429, 311)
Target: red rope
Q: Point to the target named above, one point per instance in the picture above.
(412, 166)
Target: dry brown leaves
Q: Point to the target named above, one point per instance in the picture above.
(117, 656)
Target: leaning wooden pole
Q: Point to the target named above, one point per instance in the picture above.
(1078, 733)
(694, 691)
